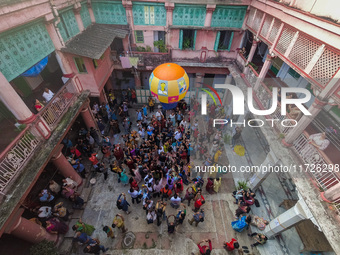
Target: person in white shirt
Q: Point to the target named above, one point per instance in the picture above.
(175, 201)
(159, 114)
(184, 123)
(47, 95)
(178, 135)
(134, 195)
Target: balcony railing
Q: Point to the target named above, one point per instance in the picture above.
(325, 177)
(16, 155)
(251, 76)
(56, 108)
(151, 58)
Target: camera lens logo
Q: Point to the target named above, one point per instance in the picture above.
(204, 98)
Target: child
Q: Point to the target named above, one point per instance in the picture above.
(109, 232)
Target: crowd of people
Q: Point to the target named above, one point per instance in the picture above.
(151, 158)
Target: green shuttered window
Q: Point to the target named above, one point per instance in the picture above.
(139, 36)
(189, 15)
(112, 12)
(152, 14)
(68, 26)
(187, 39)
(228, 16)
(85, 16)
(23, 47)
(223, 40)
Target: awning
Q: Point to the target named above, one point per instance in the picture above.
(93, 42)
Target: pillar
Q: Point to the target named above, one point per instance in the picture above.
(89, 7)
(227, 94)
(31, 232)
(65, 168)
(208, 17)
(286, 220)
(169, 10)
(259, 177)
(264, 71)
(102, 97)
(199, 80)
(332, 194)
(14, 102)
(304, 122)
(138, 82)
(88, 118)
(251, 55)
(56, 38)
(76, 10)
(128, 8)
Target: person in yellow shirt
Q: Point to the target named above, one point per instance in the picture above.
(118, 222)
(151, 104)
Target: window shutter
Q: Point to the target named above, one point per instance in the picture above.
(231, 40)
(217, 40)
(193, 47)
(180, 45)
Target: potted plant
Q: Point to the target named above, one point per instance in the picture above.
(242, 185)
(160, 45)
(226, 139)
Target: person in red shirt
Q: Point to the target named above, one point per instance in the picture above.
(205, 249)
(232, 245)
(75, 152)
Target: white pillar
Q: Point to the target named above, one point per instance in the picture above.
(285, 220)
(257, 179)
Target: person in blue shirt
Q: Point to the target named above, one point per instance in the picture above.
(122, 204)
(145, 110)
(79, 167)
(45, 196)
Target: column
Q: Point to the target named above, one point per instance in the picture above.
(89, 7)
(138, 82)
(102, 97)
(264, 71)
(199, 80)
(169, 10)
(304, 122)
(257, 179)
(227, 94)
(251, 55)
(31, 232)
(14, 102)
(55, 36)
(286, 220)
(65, 168)
(332, 194)
(210, 9)
(88, 118)
(128, 7)
(76, 10)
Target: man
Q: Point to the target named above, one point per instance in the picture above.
(47, 95)
(118, 222)
(95, 248)
(122, 204)
(197, 217)
(181, 215)
(175, 201)
(134, 195)
(205, 250)
(159, 114)
(259, 238)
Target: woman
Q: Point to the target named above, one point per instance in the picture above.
(82, 227)
(38, 105)
(124, 178)
(217, 184)
(137, 176)
(56, 226)
(210, 186)
(259, 222)
(241, 224)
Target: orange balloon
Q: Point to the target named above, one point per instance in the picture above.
(169, 72)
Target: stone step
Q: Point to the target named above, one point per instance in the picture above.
(77, 214)
(70, 232)
(86, 193)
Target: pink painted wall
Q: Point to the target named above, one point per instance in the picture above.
(205, 38)
(174, 38)
(148, 39)
(95, 79)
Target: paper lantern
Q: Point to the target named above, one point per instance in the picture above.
(169, 83)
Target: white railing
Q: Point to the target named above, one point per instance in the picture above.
(312, 156)
(16, 155)
(56, 108)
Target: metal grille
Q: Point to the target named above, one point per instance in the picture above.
(228, 16)
(189, 15)
(274, 31)
(285, 39)
(109, 13)
(257, 21)
(303, 51)
(16, 157)
(250, 17)
(325, 67)
(22, 48)
(70, 23)
(146, 14)
(85, 16)
(266, 25)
